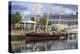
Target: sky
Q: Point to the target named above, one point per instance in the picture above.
(29, 8)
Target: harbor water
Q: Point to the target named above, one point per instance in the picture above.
(50, 45)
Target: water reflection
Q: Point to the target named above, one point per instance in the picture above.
(51, 45)
(70, 43)
(59, 45)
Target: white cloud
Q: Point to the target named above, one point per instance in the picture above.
(24, 13)
(37, 7)
(64, 10)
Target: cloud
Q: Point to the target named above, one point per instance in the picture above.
(24, 13)
(29, 8)
(65, 10)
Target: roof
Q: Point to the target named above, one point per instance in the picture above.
(29, 21)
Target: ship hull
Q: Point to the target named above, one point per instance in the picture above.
(30, 37)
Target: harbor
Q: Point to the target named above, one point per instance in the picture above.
(36, 43)
(43, 27)
(47, 46)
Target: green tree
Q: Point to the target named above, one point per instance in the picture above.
(42, 21)
(33, 19)
(15, 18)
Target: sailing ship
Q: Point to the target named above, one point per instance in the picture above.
(45, 35)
